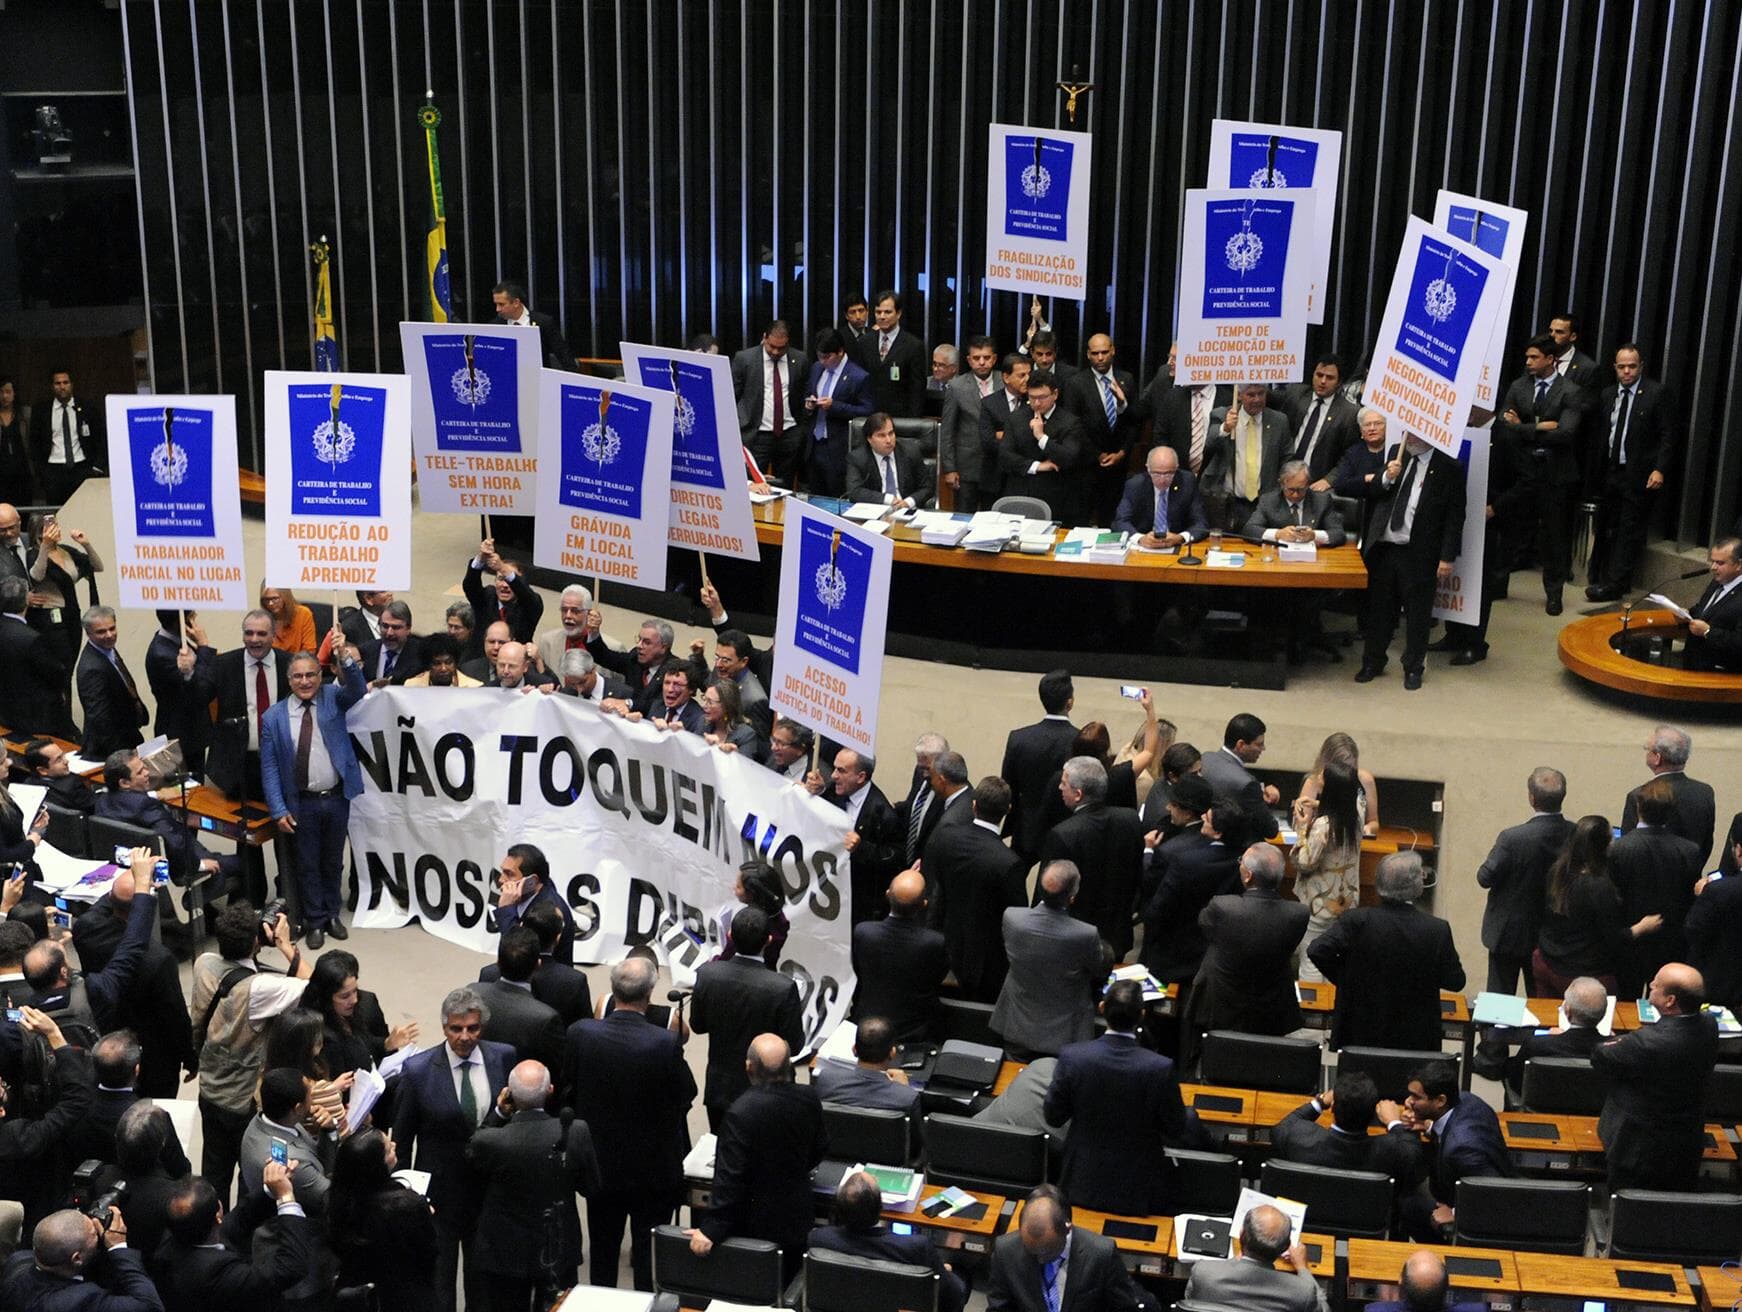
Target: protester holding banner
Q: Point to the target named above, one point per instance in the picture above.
(511, 598)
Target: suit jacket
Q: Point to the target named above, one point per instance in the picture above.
(128, 1289)
(1221, 448)
(1169, 409)
(1695, 816)
(1516, 877)
(182, 703)
(547, 895)
(1185, 507)
(1389, 964)
(1067, 446)
(1188, 871)
(959, 449)
(1252, 1286)
(552, 346)
(1228, 776)
(770, 1142)
(532, 1028)
(1657, 1077)
(1563, 404)
(1031, 755)
(735, 1000)
(749, 368)
(90, 433)
(1106, 843)
(522, 614)
(1318, 510)
(643, 680)
(31, 696)
(1123, 1104)
(113, 715)
(1246, 979)
(1466, 1141)
(94, 1136)
(309, 1180)
(521, 1175)
(1341, 426)
(248, 1273)
(427, 1122)
(1082, 394)
(880, 856)
(278, 745)
(355, 626)
(898, 381)
(852, 1085)
(1095, 1277)
(1575, 1042)
(998, 419)
(1655, 871)
(899, 964)
(1299, 1138)
(1714, 933)
(158, 1013)
(560, 987)
(1721, 647)
(409, 661)
(1437, 532)
(1048, 998)
(1650, 440)
(939, 812)
(629, 1081)
(850, 400)
(233, 699)
(975, 879)
(865, 475)
(147, 812)
(883, 1245)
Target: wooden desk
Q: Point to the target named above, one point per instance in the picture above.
(1584, 1129)
(1321, 1255)
(1007, 1074)
(211, 812)
(974, 1236)
(1241, 1114)
(1336, 567)
(1587, 648)
(1719, 1288)
(1376, 1267)
(1598, 1278)
(1148, 1257)
(1270, 1108)
(1566, 1137)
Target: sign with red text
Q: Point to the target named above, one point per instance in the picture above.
(1037, 211)
(1276, 156)
(338, 481)
(1439, 319)
(710, 495)
(1499, 230)
(1243, 287)
(177, 502)
(474, 416)
(604, 460)
(829, 630)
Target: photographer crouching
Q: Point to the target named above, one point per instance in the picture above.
(79, 1261)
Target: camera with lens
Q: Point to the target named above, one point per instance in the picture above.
(269, 915)
(88, 1199)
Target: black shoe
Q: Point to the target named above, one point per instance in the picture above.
(1367, 673)
(316, 940)
(1553, 604)
(1411, 680)
(1447, 643)
(1470, 655)
(336, 928)
(1598, 593)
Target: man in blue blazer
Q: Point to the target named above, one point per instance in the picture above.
(1163, 504)
(836, 391)
(444, 1095)
(310, 778)
(1466, 1140)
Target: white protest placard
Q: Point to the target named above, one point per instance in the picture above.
(474, 416)
(645, 829)
(829, 629)
(710, 492)
(1459, 598)
(177, 503)
(1243, 286)
(1439, 318)
(338, 481)
(604, 456)
(1498, 230)
(1037, 210)
(1272, 155)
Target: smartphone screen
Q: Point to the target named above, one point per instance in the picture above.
(280, 1153)
(14, 1014)
(1131, 691)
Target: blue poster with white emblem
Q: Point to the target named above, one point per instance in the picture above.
(474, 392)
(171, 451)
(1277, 157)
(834, 579)
(1244, 266)
(1037, 186)
(1445, 292)
(474, 415)
(1251, 236)
(1037, 210)
(336, 438)
(1496, 230)
(1261, 159)
(604, 449)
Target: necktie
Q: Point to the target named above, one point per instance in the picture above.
(305, 740)
(1251, 466)
(1617, 449)
(889, 488)
(1309, 431)
(1541, 391)
(576, 643)
(779, 400)
(502, 609)
(1299, 506)
(262, 699)
(468, 1095)
(1109, 401)
(1049, 1284)
(882, 346)
(986, 386)
(917, 818)
(1160, 514)
(1400, 506)
(388, 658)
(126, 678)
(68, 441)
(1200, 432)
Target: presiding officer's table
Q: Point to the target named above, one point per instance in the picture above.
(1598, 649)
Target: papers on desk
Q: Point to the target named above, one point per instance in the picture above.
(773, 494)
(949, 1202)
(1137, 544)
(1152, 989)
(78, 878)
(698, 1163)
(367, 1086)
(876, 526)
(866, 511)
(395, 1061)
(1727, 1023)
(838, 1046)
(1224, 559)
(1674, 608)
(899, 1186)
(594, 1298)
(1504, 1009)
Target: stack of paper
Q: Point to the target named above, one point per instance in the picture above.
(1297, 551)
(867, 510)
(993, 538)
(1109, 548)
(1037, 545)
(1679, 611)
(900, 1187)
(1152, 989)
(1501, 1009)
(946, 534)
(1295, 1212)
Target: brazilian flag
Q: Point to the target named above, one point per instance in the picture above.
(326, 341)
(438, 296)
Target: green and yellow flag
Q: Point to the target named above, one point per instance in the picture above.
(326, 340)
(438, 296)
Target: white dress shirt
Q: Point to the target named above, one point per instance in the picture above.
(269, 663)
(480, 1085)
(776, 373)
(63, 416)
(321, 775)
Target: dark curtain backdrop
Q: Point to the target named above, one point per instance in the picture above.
(656, 168)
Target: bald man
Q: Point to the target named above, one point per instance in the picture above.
(1105, 399)
(1029, 1262)
(1425, 1285)
(1652, 1127)
(900, 962)
(1163, 506)
(1048, 998)
(64, 1269)
(1251, 1281)
(770, 1142)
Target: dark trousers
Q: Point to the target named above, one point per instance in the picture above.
(777, 453)
(1392, 585)
(320, 855)
(59, 482)
(1618, 539)
(1106, 487)
(449, 1246)
(967, 496)
(1554, 532)
(826, 466)
(1504, 971)
(221, 1133)
(606, 1215)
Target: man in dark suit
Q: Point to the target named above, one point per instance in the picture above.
(129, 799)
(885, 471)
(116, 1062)
(362, 623)
(1002, 411)
(1541, 413)
(1248, 443)
(877, 840)
(532, 1028)
(212, 1259)
(155, 1008)
(527, 1167)
(249, 680)
(1696, 810)
(1031, 755)
(1104, 399)
(1123, 1105)
(60, 1270)
(894, 358)
(1246, 979)
(1714, 639)
(1714, 930)
(1465, 1141)
(182, 673)
(1185, 874)
(1162, 505)
(1055, 969)
(939, 797)
(47, 765)
(641, 667)
(1346, 1145)
(629, 1081)
(66, 441)
(855, 318)
(975, 879)
(1028, 1262)
(16, 553)
(31, 697)
(735, 1000)
(114, 713)
(397, 654)
(960, 461)
(1654, 869)
(1389, 964)
(1105, 842)
(510, 599)
(511, 307)
(1324, 421)
(836, 392)
(770, 1142)
(1292, 512)
(859, 1232)
(769, 381)
(444, 1094)
(527, 885)
(1048, 457)
(1652, 1126)
(1180, 416)
(1042, 347)
(900, 962)
(557, 985)
(1584, 1003)
(1639, 451)
(1413, 538)
(1516, 876)
(871, 1079)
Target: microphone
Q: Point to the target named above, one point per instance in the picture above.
(1682, 577)
(677, 995)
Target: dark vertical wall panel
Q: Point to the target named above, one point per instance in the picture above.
(658, 168)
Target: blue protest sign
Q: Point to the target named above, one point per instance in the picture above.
(171, 454)
(834, 581)
(1251, 164)
(695, 449)
(1445, 291)
(604, 450)
(336, 438)
(474, 392)
(1246, 251)
(1484, 231)
(1037, 186)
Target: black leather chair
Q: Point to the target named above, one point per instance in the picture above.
(1260, 1061)
(971, 1022)
(1723, 1101)
(1646, 1225)
(997, 1159)
(835, 1282)
(181, 901)
(1205, 1184)
(1537, 1216)
(1562, 1085)
(1347, 1204)
(1390, 1068)
(868, 1134)
(738, 1270)
(68, 831)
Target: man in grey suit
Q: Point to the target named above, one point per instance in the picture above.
(1048, 998)
(959, 446)
(768, 380)
(873, 1080)
(1248, 443)
(279, 1127)
(1292, 512)
(1251, 1282)
(1047, 1265)
(1695, 817)
(1227, 774)
(532, 1028)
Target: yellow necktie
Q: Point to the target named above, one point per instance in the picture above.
(1254, 451)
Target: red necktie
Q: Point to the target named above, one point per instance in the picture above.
(502, 610)
(261, 697)
(779, 402)
(304, 743)
(579, 641)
